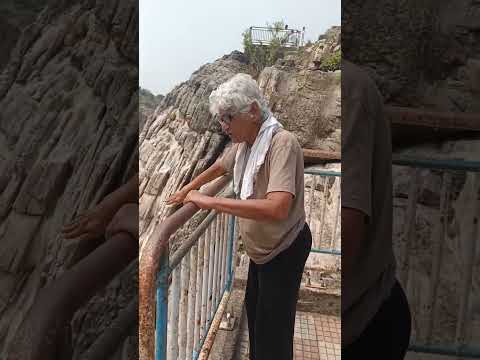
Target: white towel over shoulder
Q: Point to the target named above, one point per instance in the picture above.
(256, 159)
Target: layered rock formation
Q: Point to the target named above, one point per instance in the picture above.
(421, 53)
(305, 99)
(69, 136)
(181, 139)
(147, 104)
(14, 17)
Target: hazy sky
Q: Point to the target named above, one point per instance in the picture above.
(179, 36)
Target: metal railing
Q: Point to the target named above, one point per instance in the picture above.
(201, 278)
(265, 36)
(324, 240)
(190, 287)
(447, 168)
(184, 294)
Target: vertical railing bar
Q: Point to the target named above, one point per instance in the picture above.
(183, 308)
(466, 288)
(170, 310)
(162, 309)
(324, 208)
(410, 225)
(231, 234)
(234, 250)
(210, 280)
(225, 246)
(199, 299)
(219, 270)
(173, 344)
(215, 266)
(337, 211)
(438, 250)
(313, 185)
(222, 253)
(205, 283)
(192, 296)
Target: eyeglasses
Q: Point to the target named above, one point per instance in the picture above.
(228, 117)
(225, 119)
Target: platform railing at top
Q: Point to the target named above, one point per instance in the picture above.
(325, 239)
(265, 36)
(459, 345)
(153, 254)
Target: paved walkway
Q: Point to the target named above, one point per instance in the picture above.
(317, 337)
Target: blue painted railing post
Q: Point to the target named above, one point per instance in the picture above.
(162, 309)
(231, 235)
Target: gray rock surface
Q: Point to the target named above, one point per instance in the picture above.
(304, 99)
(69, 136)
(421, 53)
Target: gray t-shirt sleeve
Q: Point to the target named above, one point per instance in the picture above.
(357, 155)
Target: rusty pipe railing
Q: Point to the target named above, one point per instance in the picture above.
(152, 251)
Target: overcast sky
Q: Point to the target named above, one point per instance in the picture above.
(179, 36)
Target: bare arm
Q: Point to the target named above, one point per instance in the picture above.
(213, 172)
(354, 231)
(275, 207)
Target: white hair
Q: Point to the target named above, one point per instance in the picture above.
(236, 95)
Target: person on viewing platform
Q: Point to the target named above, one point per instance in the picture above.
(266, 163)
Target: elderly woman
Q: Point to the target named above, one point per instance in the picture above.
(266, 162)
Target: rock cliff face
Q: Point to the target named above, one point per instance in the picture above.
(69, 136)
(421, 53)
(147, 104)
(14, 17)
(305, 99)
(181, 139)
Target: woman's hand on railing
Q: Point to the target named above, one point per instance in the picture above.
(178, 197)
(201, 200)
(125, 220)
(91, 224)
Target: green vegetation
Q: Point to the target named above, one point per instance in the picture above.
(261, 56)
(331, 62)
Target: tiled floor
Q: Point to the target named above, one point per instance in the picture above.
(317, 337)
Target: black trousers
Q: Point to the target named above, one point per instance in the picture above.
(388, 334)
(271, 299)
